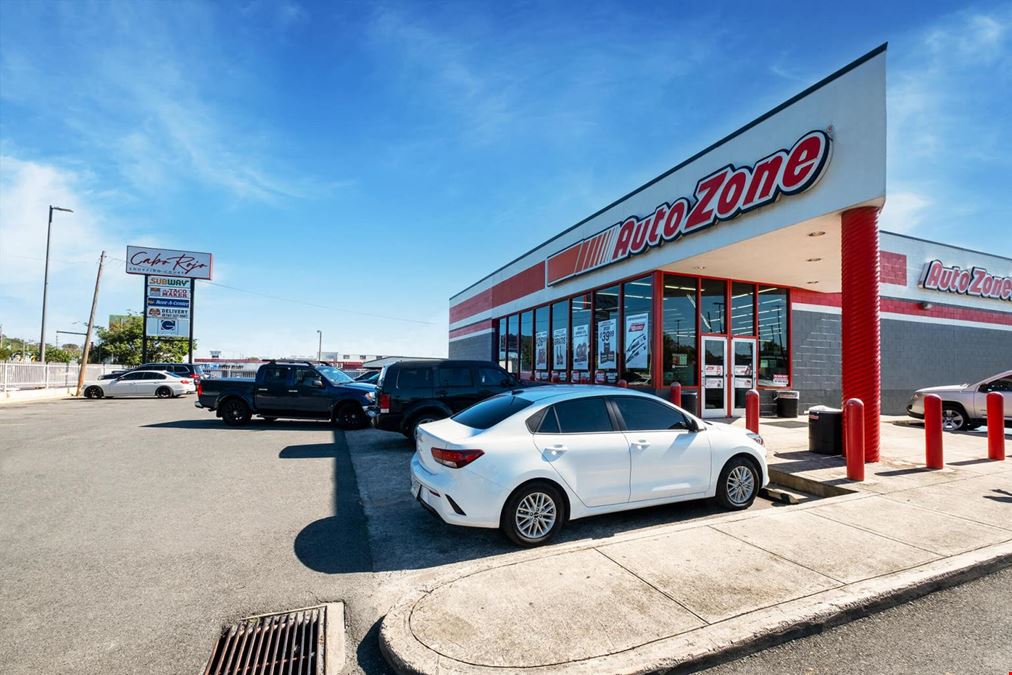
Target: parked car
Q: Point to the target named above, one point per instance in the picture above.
(964, 406)
(528, 461)
(294, 389)
(192, 371)
(409, 393)
(368, 377)
(141, 383)
(112, 376)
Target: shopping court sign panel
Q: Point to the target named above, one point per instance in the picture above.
(168, 262)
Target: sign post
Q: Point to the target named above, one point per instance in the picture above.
(169, 288)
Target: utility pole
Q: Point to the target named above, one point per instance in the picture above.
(45, 282)
(319, 347)
(91, 325)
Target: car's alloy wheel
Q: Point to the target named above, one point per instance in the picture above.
(235, 413)
(738, 484)
(93, 392)
(163, 392)
(533, 515)
(953, 419)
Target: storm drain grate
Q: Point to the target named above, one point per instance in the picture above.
(273, 644)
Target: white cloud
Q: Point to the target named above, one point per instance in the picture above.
(904, 211)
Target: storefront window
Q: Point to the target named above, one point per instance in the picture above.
(560, 339)
(502, 344)
(638, 306)
(541, 333)
(581, 337)
(680, 330)
(742, 309)
(773, 365)
(513, 344)
(526, 344)
(606, 335)
(713, 306)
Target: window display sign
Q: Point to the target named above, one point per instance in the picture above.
(607, 345)
(742, 383)
(560, 340)
(711, 369)
(714, 383)
(779, 380)
(679, 360)
(581, 347)
(541, 350)
(637, 340)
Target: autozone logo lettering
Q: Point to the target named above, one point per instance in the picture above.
(723, 195)
(975, 281)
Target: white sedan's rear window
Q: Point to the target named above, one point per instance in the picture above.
(491, 411)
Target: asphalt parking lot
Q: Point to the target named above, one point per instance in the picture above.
(131, 530)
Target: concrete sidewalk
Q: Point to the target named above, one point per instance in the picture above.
(694, 593)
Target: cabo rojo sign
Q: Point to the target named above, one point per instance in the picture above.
(168, 262)
(723, 195)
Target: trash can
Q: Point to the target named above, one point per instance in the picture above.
(787, 403)
(690, 401)
(825, 430)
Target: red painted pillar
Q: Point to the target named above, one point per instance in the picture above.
(995, 426)
(933, 432)
(860, 328)
(853, 438)
(752, 411)
(623, 384)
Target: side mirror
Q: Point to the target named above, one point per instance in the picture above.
(317, 383)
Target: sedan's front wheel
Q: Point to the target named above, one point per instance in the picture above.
(533, 515)
(738, 484)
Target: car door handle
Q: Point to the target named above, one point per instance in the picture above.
(293, 391)
(262, 389)
(640, 445)
(557, 449)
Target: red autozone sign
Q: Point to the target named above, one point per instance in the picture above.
(724, 194)
(975, 281)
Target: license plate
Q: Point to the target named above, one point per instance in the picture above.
(415, 488)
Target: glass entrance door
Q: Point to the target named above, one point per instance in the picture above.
(713, 377)
(743, 372)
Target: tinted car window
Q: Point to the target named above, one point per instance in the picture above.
(640, 414)
(410, 378)
(491, 411)
(1004, 384)
(133, 376)
(455, 376)
(152, 375)
(276, 375)
(492, 377)
(583, 416)
(548, 422)
(305, 376)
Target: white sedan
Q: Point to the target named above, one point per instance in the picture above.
(141, 383)
(530, 460)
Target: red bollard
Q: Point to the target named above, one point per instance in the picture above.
(752, 411)
(933, 431)
(676, 393)
(853, 438)
(995, 426)
(623, 384)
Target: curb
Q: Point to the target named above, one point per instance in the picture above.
(718, 642)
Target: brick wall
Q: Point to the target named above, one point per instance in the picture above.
(816, 346)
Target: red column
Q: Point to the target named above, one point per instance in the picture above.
(752, 411)
(861, 353)
(995, 426)
(853, 438)
(933, 457)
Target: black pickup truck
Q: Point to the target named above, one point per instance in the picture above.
(298, 389)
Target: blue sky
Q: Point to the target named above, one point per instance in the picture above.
(353, 165)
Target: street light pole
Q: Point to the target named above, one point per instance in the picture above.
(45, 282)
(319, 348)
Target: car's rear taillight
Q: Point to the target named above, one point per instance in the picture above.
(455, 459)
(200, 387)
(184, 381)
(384, 403)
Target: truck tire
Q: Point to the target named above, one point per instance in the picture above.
(350, 416)
(234, 413)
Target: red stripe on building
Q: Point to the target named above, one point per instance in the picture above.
(520, 284)
(893, 268)
(563, 264)
(909, 307)
(471, 328)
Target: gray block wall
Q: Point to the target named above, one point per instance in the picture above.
(914, 355)
(475, 347)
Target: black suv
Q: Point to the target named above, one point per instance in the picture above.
(410, 393)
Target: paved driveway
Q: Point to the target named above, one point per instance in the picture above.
(130, 530)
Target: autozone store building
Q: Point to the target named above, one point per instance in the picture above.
(757, 262)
